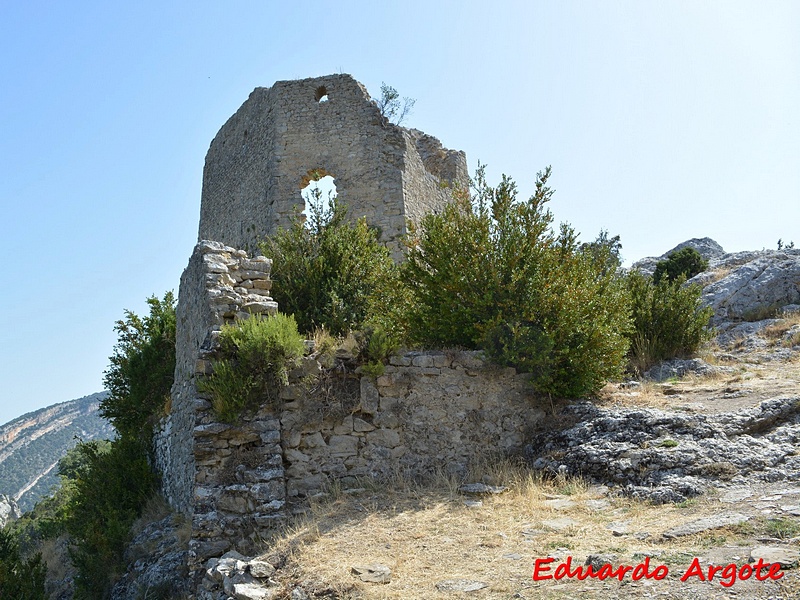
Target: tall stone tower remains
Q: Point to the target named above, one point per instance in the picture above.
(297, 131)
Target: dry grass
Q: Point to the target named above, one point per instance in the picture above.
(426, 534)
(717, 275)
(777, 331)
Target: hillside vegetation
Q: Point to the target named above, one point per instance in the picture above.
(31, 445)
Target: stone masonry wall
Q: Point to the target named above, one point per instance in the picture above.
(218, 284)
(429, 411)
(262, 157)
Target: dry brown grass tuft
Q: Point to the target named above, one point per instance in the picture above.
(777, 331)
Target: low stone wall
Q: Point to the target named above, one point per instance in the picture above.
(429, 412)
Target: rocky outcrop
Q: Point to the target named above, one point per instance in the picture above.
(708, 249)
(741, 286)
(669, 457)
(9, 511)
(756, 289)
(157, 562)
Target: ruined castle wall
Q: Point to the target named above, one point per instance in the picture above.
(219, 283)
(429, 411)
(261, 159)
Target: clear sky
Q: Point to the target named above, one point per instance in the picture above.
(662, 121)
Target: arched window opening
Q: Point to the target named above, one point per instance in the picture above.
(321, 95)
(318, 195)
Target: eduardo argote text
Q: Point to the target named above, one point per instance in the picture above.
(726, 575)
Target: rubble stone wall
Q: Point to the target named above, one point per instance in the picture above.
(429, 411)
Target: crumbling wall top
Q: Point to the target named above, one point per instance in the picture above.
(282, 135)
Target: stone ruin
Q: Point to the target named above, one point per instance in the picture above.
(429, 411)
(284, 136)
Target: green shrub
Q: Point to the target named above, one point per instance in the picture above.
(333, 273)
(668, 318)
(255, 356)
(685, 263)
(106, 484)
(21, 578)
(142, 369)
(489, 272)
(110, 493)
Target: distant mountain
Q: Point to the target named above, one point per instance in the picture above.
(31, 446)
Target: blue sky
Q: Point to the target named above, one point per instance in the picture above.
(662, 121)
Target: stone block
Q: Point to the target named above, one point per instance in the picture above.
(400, 360)
(369, 397)
(292, 439)
(422, 360)
(345, 427)
(343, 445)
(313, 440)
(293, 455)
(361, 425)
(388, 438)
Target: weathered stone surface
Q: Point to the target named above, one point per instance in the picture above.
(706, 247)
(705, 524)
(369, 396)
(374, 573)
(626, 447)
(9, 511)
(158, 559)
(384, 437)
(596, 561)
(768, 282)
(559, 524)
(787, 557)
(265, 154)
(679, 368)
(460, 585)
(481, 488)
(252, 591)
(560, 503)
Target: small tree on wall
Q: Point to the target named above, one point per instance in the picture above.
(393, 109)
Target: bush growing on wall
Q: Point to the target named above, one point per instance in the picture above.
(256, 354)
(489, 272)
(333, 273)
(668, 320)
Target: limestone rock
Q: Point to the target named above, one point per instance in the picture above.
(679, 368)
(705, 524)
(373, 573)
(787, 557)
(252, 591)
(768, 282)
(9, 511)
(559, 524)
(261, 569)
(706, 247)
(624, 447)
(596, 561)
(460, 585)
(481, 488)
